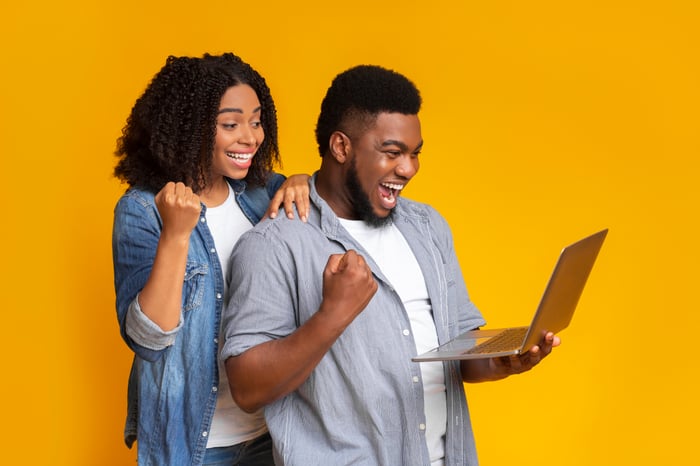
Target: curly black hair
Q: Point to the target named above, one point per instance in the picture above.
(169, 135)
(359, 95)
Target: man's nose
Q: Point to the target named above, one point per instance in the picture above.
(407, 166)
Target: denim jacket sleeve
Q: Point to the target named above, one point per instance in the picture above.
(254, 201)
(274, 183)
(135, 236)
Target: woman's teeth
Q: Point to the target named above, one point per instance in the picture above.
(237, 156)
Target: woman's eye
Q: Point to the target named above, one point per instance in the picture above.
(256, 124)
(229, 125)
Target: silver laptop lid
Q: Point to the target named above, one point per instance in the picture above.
(564, 288)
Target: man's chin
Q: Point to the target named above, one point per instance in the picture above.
(379, 221)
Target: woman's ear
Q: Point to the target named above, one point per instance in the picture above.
(339, 146)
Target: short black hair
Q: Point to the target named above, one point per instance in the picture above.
(169, 135)
(360, 94)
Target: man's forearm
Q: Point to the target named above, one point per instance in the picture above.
(273, 369)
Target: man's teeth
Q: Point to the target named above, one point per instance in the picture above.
(237, 156)
(393, 187)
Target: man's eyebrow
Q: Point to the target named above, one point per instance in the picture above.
(235, 110)
(402, 145)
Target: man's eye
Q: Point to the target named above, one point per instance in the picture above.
(393, 153)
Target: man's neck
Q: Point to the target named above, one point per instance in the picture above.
(328, 188)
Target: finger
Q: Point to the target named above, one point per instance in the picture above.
(194, 201)
(187, 193)
(180, 189)
(350, 259)
(545, 347)
(362, 263)
(302, 201)
(170, 195)
(173, 196)
(335, 261)
(164, 191)
(185, 198)
(531, 358)
(274, 205)
(552, 340)
(517, 364)
(354, 259)
(343, 262)
(289, 198)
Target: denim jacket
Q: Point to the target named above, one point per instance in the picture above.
(174, 376)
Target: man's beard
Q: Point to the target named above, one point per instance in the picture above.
(362, 204)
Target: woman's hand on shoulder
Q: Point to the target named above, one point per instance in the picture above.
(294, 191)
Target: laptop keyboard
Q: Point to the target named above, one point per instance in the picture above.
(509, 339)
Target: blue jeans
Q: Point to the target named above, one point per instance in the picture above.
(256, 452)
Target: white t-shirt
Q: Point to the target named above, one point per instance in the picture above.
(393, 255)
(230, 425)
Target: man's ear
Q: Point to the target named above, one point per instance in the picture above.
(339, 146)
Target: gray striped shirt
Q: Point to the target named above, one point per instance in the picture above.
(363, 404)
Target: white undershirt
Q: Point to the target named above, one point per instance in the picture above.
(393, 255)
(230, 425)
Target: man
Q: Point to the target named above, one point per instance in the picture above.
(350, 296)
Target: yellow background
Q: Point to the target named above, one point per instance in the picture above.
(543, 121)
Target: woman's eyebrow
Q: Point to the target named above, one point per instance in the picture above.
(235, 110)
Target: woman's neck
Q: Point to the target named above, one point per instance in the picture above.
(215, 193)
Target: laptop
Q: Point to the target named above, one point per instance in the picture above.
(553, 314)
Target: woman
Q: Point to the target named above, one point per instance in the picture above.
(197, 153)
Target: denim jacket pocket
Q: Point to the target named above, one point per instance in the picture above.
(193, 287)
